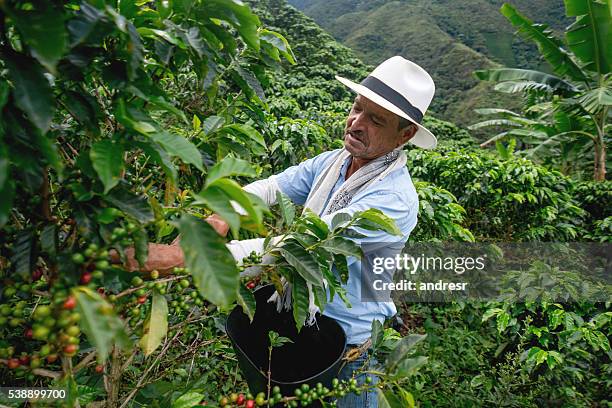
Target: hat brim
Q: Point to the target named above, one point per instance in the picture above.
(423, 138)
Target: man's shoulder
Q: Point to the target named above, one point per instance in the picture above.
(325, 157)
(397, 184)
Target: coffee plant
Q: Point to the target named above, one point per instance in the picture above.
(125, 124)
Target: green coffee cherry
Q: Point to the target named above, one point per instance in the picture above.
(42, 311)
(78, 258)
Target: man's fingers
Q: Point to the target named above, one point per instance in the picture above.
(218, 224)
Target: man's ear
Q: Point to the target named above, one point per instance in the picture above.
(408, 133)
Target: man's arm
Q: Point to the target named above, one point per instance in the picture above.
(164, 258)
(295, 182)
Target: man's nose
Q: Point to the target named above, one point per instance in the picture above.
(357, 122)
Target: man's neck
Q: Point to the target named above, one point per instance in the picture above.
(356, 164)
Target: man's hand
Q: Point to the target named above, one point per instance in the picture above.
(164, 258)
(218, 224)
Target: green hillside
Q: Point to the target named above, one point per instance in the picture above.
(448, 38)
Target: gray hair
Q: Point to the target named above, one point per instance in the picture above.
(403, 123)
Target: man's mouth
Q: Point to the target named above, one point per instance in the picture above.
(355, 138)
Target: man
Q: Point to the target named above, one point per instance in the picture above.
(370, 172)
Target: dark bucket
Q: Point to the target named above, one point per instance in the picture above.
(314, 356)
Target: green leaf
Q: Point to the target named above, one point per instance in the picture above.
(376, 219)
(236, 193)
(44, 32)
(342, 266)
(154, 95)
(246, 299)
(211, 264)
(188, 400)
(5, 91)
(490, 313)
(377, 334)
(409, 366)
(107, 159)
(303, 262)
(161, 157)
(525, 75)
(287, 209)
(194, 40)
(553, 359)
(279, 42)
(247, 132)
(153, 33)
(314, 224)
(217, 201)
(596, 99)
(402, 349)
(239, 15)
(24, 257)
(342, 246)
(299, 301)
(590, 36)
(156, 326)
(214, 197)
(407, 398)
(7, 192)
(180, 147)
(386, 399)
(84, 24)
(31, 90)
(550, 47)
(249, 83)
(48, 240)
(320, 297)
(100, 323)
(230, 166)
(277, 340)
(134, 205)
(340, 219)
(83, 108)
(69, 384)
(212, 124)
(108, 215)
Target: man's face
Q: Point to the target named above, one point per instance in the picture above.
(371, 130)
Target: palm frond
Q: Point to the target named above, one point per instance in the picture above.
(527, 75)
(550, 47)
(590, 36)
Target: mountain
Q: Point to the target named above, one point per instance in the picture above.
(450, 39)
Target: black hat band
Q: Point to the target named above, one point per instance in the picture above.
(379, 87)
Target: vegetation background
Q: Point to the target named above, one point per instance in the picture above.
(130, 123)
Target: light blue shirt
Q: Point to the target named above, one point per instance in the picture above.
(396, 196)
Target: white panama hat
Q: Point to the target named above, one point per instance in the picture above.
(402, 87)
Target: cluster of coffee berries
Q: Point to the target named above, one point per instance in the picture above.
(38, 331)
(252, 259)
(246, 401)
(92, 263)
(302, 396)
(184, 297)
